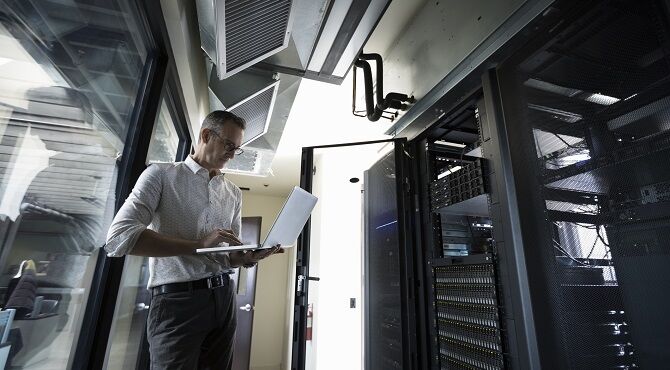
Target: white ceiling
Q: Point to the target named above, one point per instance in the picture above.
(321, 113)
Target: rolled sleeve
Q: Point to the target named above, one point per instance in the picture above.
(136, 213)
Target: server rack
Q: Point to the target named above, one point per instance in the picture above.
(548, 246)
(586, 107)
(464, 311)
(571, 132)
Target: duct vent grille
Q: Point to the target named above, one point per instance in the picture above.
(254, 31)
(244, 163)
(256, 111)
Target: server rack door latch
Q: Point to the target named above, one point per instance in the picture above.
(301, 282)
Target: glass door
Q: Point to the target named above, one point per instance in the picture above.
(351, 264)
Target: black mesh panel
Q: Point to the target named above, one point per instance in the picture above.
(595, 101)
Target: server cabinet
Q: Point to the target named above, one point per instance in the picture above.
(571, 130)
(586, 109)
(465, 310)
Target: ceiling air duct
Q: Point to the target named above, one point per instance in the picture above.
(327, 36)
(264, 100)
(236, 34)
(248, 94)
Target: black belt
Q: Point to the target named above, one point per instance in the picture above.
(213, 282)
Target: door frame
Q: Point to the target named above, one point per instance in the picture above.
(301, 285)
(242, 361)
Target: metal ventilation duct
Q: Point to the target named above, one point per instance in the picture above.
(264, 100)
(236, 34)
(259, 154)
(249, 94)
(326, 38)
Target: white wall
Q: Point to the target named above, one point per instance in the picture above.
(271, 326)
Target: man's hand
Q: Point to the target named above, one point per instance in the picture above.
(217, 236)
(251, 257)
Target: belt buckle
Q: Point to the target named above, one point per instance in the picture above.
(215, 282)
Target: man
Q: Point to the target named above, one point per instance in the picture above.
(174, 209)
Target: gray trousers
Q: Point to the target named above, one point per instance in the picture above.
(192, 330)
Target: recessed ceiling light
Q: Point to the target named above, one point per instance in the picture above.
(601, 99)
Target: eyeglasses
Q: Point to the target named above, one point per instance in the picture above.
(228, 145)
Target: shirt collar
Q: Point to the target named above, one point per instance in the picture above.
(195, 167)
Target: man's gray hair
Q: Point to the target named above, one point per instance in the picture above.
(215, 120)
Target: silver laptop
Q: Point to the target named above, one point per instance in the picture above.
(286, 228)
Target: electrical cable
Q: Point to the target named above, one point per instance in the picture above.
(593, 247)
(601, 238)
(559, 248)
(568, 144)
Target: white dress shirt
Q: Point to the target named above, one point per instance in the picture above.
(177, 200)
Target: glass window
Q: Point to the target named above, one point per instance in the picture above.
(164, 139)
(132, 304)
(69, 78)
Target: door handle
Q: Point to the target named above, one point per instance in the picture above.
(247, 307)
(301, 281)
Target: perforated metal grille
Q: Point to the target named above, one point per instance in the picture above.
(254, 29)
(256, 111)
(595, 107)
(245, 162)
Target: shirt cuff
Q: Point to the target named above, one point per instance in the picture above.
(122, 244)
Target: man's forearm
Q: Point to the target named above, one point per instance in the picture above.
(153, 244)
